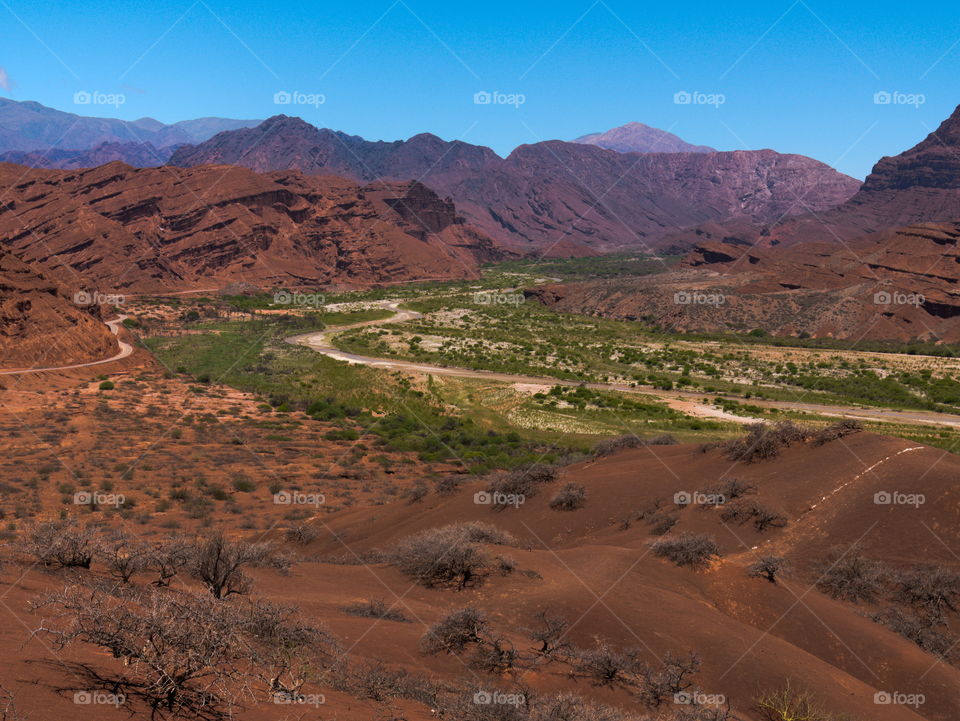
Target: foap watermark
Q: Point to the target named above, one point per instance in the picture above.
(95, 297)
(886, 297)
(98, 698)
(895, 698)
(98, 498)
(684, 97)
(499, 698)
(895, 97)
(95, 97)
(495, 97)
(496, 498)
(697, 297)
(490, 297)
(296, 498)
(698, 698)
(308, 300)
(685, 498)
(295, 97)
(300, 699)
(896, 498)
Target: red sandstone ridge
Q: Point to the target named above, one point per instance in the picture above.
(167, 229)
(556, 197)
(42, 326)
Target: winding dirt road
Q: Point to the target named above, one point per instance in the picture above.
(125, 350)
(688, 402)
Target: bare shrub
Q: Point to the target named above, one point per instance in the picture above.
(933, 590)
(168, 557)
(524, 481)
(790, 704)
(448, 556)
(303, 534)
(687, 549)
(728, 490)
(609, 446)
(416, 494)
(662, 523)
(764, 441)
(455, 632)
(753, 512)
(185, 653)
(123, 555)
(930, 634)
(495, 655)
(61, 544)
(661, 683)
(448, 485)
(607, 666)
(374, 680)
(218, 563)
(768, 567)
(376, 608)
(836, 430)
(848, 576)
(570, 707)
(569, 498)
(549, 633)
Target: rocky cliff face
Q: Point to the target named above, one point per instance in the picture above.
(41, 325)
(556, 197)
(164, 229)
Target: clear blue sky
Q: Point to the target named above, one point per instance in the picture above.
(796, 76)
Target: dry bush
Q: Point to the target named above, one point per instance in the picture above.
(168, 558)
(416, 494)
(376, 608)
(455, 632)
(549, 633)
(687, 549)
(662, 523)
(448, 485)
(932, 590)
(218, 563)
(189, 654)
(123, 555)
(728, 490)
(768, 567)
(569, 498)
(449, 556)
(375, 681)
(605, 665)
(60, 544)
(764, 441)
(753, 512)
(659, 684)
(522, 481)
(789, 704)
(570, 707)
(848, 576)
(835, 431)
(302, 534)
(930, 634)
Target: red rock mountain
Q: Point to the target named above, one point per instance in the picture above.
(167, 229)
(139, 155)
(640, 138)
(42, 326)
(557, 197)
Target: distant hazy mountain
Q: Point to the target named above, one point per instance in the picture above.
(640, 138)
(29, 126)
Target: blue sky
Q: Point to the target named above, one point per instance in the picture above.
(794, 76)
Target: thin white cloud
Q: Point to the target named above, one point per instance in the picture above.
(5, 82)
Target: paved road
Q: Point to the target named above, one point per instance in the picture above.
(125, 350)
(689, 402)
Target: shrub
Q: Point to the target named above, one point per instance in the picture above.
(605, 665)
(729, 490)
(448, 485)
(789, 704)
(302, 534)
(61, 544)
(848, 576)
(416, 494)
(930, 589)
(549, 633)
(448, 556)
(522, 481)
(755, 512)
(929, 633)
(763, 441)
(836, 430)
(609, 446)
(455, 632)
(218, 563)
(687, 549)
(569, 498)
(106, 386)
(768, 567)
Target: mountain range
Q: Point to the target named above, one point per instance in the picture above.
(30, 126)
(551, 197)
(639, 138)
